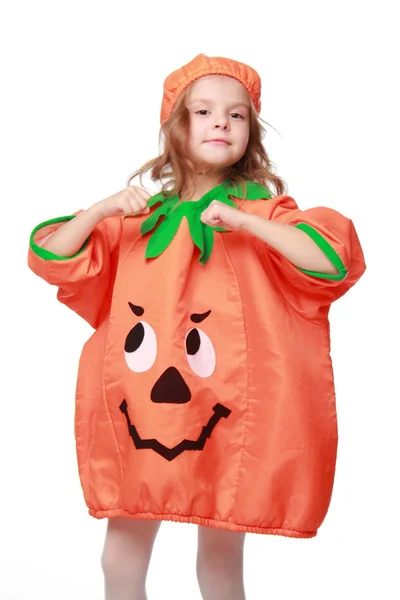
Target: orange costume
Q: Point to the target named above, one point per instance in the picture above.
(205, 394)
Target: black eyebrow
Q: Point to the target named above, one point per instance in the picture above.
(199, 317)
(195, 317)
(137, 310)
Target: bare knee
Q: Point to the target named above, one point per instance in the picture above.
(213, 542)
(219, 553)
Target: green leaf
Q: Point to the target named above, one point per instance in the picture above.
(163, 236)
(196, 230)
(208, 243)
(152, 221)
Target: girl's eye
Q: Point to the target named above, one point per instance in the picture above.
(202, 112)
(237, 116)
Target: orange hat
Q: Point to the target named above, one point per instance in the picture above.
(203, 65)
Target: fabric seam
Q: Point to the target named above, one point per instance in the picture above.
(247, 374)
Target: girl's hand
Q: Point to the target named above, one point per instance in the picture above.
(218, 214)
(130, 201)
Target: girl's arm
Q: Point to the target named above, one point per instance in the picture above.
(293, 243)
(307, 279)
(68, 239)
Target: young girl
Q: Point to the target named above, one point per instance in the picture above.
(206, 393)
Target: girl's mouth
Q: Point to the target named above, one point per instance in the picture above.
(218, 142)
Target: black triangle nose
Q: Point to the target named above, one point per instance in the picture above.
(170, 388)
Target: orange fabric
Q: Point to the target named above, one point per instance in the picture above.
(203, 65)
(258, 365)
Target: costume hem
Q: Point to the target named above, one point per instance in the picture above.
(197, 520)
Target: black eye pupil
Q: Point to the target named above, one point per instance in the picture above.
(193, 342)
(134, 338)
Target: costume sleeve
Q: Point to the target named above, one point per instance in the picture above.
(84, 280)
(336, 236)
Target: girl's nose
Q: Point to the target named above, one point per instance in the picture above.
(221, 122)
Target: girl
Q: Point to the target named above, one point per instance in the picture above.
(206, 393)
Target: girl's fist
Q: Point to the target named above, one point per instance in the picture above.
(130, 201)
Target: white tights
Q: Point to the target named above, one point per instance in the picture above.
(127, 552)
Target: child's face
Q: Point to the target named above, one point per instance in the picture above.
(218, 109)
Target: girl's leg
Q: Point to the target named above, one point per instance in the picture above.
(126, 557)
(219, 564)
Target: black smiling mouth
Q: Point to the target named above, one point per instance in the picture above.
(220, 412)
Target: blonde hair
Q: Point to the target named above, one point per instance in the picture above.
(174, 170)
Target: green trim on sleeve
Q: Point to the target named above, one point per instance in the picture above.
(327, 250)
(46, 254)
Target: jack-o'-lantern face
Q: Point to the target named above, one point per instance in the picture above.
(171, 388)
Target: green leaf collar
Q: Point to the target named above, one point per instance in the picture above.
(169, 214)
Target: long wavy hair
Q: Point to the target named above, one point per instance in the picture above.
(176, 172)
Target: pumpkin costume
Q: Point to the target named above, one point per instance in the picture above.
(205, 394)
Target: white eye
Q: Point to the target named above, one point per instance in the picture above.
(200, 353)
(141, 347)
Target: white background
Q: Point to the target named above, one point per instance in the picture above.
(81, 93)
